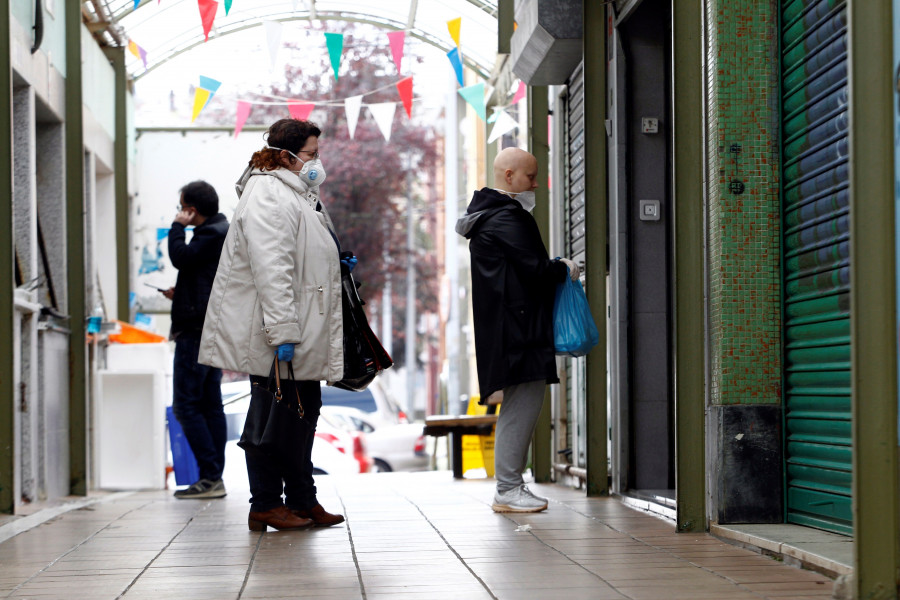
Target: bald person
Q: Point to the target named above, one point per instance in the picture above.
(513, 288)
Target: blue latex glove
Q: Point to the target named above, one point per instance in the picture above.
(285, 352)
(349, 262)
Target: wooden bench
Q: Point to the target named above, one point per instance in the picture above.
(456, 427)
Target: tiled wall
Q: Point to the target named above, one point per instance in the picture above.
(743, 202)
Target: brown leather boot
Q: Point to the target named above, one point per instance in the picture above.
(280, 518)
(320, 516)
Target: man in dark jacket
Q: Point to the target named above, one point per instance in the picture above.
(513, 288)
(197, 401)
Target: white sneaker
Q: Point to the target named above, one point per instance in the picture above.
(519, 499)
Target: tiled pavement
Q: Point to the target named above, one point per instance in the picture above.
(407, 537)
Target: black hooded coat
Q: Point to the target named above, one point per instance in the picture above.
(513, 288)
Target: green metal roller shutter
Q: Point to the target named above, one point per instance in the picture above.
(816, 263)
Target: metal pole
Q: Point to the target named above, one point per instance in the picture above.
(7, 365)
(873, 301)
(75, 276)
(410, 295)
(690, 398)
(123, 210)
(539, 145)
(595, 201)
(451, 244)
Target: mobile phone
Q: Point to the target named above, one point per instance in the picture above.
(158, 289)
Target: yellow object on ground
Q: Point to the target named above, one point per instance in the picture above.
(478, 450)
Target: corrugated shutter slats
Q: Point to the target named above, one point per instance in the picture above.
(816, 263)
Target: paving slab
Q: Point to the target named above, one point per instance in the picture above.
(407, 536)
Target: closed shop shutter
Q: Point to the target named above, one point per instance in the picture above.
(574, 247)
(816, 263)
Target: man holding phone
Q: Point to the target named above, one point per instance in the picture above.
(197, 399)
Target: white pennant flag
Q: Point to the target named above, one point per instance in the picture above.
(504, 124)
(273, 39)
(351, 107)
(384, 117)
(295, 2)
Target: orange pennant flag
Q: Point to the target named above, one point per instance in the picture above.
(404, 88)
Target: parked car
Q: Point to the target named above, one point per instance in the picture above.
(393, 447)
(337, 449)
(375, 401)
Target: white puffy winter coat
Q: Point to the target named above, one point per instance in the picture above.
(278, 282)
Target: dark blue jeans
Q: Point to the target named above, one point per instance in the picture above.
(269, 477)
(197, 404)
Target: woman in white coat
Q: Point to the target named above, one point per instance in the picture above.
(278, 290)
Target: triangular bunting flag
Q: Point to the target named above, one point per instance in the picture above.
(474, 95)
(453, 26)
(273, 39)
(133, 48)
(351, 107)
(243, 111)
(404, 88)
(294, 3)
(453, 55)
(384, 117)
(299, 110)
(396, 38)
(520, 92)
(227, 7)
(136, 2)
(495, 112)
(210, 85)
(207, 15)
(504, 124)
(143, 56)
(201, 97)
(335, 43)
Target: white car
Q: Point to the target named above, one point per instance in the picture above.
(336, 449)
(375, 401)
(393, 447)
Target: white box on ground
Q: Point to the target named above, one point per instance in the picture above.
(130, 430)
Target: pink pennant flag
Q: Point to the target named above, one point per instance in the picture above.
(300, 110)
(243, 111)
(207, 15)
(404, 88)
(520, 93)
(397, 38)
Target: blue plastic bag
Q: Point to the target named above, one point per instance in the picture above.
(574, 330)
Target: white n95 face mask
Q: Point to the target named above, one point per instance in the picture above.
(312, 173)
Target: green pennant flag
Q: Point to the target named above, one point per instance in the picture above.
(227, 6)
(335, 43)
(474, 95)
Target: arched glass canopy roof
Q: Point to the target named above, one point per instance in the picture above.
(167, 28)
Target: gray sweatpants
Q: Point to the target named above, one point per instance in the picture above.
(515, 425)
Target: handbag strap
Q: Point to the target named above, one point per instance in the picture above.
(278, 395)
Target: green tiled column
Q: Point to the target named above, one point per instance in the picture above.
(744, 418)
(743, 203)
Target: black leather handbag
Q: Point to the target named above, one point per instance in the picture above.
(275, 426)
(364, 356)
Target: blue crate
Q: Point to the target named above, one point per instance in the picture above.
(183, 461)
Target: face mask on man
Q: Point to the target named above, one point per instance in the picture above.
(312, 173)
(526, 199)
